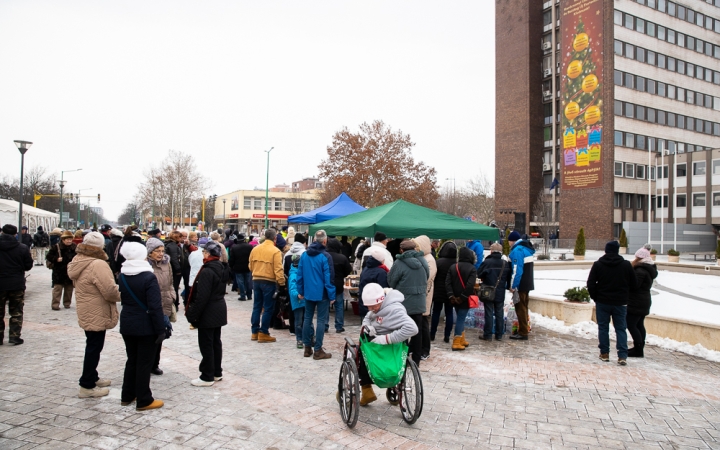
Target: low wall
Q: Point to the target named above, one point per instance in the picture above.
(705, 334)
(708, 269)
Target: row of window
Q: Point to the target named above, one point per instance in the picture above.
(641, 142)
(653, 87)
(665, 62)
(684, 13)
(628, 204)
(698, 199)
(276, 204)
(660, 117)
(699, 168)
(631, 170)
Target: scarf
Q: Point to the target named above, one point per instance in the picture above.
(384, 267)
(207, 259)
(134, 267)
(192, 288)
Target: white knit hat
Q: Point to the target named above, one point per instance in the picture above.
(95, 239)
(133, 251)
(373, 294)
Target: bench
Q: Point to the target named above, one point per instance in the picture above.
(704, 255)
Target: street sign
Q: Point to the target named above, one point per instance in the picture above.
(65, 216)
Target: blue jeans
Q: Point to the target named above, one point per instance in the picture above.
(323, 310)
(264, 301)
(603, 313)
(494, 312)
(460, 322)
(244, 284)
(339, 311)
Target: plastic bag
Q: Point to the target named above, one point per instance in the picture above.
(385, 363)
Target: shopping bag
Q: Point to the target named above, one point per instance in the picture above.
(385, 363)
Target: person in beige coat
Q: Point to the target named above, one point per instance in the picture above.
(96, 298)
(424, 244)
(160, 263)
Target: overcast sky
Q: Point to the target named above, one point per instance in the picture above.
(111, 86)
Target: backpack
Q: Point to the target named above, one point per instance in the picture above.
(44, 240)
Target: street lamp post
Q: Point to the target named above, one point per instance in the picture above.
(23, 146)
(224, 200)
(62, 185)
(77, 200)
(267, 180)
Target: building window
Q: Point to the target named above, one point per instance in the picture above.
(629, 170)
(652, 173)
(277, 204)
(628, 201)
(616, 200)
(247, 202)
(681, 170)
(640, 172)
(257, 204)
(639, 201)
(629, 140)
(716, 198)
(681, 201)
(618, 169)
(716, 166)
(662, 201)
(618, 137)
(699, 168)
(699, 199)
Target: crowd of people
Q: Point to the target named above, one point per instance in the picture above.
(290, 277)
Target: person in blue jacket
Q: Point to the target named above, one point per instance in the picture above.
(477, 247)
(315, 285)
(523, 279)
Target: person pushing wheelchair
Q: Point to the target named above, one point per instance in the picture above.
(387, 322)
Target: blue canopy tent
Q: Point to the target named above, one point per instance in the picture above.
(342, 206)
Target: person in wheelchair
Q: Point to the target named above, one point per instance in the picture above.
(387, 322)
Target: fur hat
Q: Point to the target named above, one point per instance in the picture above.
(213, 248)
(612, 248)
(116, 232)
(152, 244)
(133, 251)
(66, 234)
(94, 239)
(56, 232)
(9, 229)
(514, 236)
(373, 294)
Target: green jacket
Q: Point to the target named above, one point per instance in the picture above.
(409, 275)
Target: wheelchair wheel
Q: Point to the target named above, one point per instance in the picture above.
(349, 392)
(392, 396)
(411, 393)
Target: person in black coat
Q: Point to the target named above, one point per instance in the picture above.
(173, 250)
(342, 269)
(495, 272)
(142, 325)
(60, 256)
(25, 237)
(609, 283)
(640, 301)
(207, 312)
(374, 271)
(239, 260)
(446, 258)
(459, 285)
(15, 260)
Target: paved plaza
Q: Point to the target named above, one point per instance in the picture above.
(551, 392)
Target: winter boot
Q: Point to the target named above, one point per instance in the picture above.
(368, 395)
(458, 343)
(308, 351)
(254, 337)
(154, 405)
(322, 354)
(262, 337)
(636, 353)
(465, 341)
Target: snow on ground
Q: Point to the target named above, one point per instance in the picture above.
(588, 330)
(553, 283)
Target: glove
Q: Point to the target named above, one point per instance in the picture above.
(370, 330)
(381, 340)
(160, 338)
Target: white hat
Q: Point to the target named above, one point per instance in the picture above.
(133, 251)
(373, 294)
(376, 253)
(94, 239)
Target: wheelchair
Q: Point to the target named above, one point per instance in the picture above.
(408, 394)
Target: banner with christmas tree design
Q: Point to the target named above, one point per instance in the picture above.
(581, 85)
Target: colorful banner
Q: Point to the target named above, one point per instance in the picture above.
(581, 93)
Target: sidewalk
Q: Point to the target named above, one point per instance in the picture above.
(549, 392)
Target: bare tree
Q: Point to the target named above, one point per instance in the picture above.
(542, 216)
(476, 199)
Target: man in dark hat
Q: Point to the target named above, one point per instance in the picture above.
(154, 233)
(25, 237)
(15, 260)
(41, 242)
(611, 279)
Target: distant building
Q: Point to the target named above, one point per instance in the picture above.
(306, 184)
(245, 210)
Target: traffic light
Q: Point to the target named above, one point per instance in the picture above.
(98, 197)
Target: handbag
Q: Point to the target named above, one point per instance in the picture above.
(385, 363)
(473, 300)
(487, 293)
(166, 319)
(49, 264)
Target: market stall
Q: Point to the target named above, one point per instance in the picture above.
(342, 206)
(32, 217)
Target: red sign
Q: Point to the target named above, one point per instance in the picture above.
(271, 216)
(232, 216)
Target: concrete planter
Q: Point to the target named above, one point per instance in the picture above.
(579, 257)
(653, 256)
(569, 312)
(576, 312)
(673, 259)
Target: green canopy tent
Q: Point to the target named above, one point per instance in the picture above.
(404, 219)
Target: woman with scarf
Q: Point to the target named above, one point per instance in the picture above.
(160, 263)
(142, 325)
(640, 301)
(206, 310)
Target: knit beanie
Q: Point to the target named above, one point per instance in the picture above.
(152, 244)
(133, 251)
(373, 294)
(612, 248)
(9, 229)
(202, 242)
(514, 236)
(642, 253)
(94, 239)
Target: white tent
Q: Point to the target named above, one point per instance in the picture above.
(32, 217)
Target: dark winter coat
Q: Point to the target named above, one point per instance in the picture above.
(59, 270)
(41, 239)
(640, 299)
(491, 270)
(15, 260)
(134, 319)
(453, 285)
(206, 305)
(185, 250)
(26, 239)
(372, 273)
(409, 275)
(239, 257)
(611, 279)
(447, 256)
(341, 265)
(173, 250)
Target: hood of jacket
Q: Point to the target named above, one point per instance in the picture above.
(527, 245)
(392, 296)
(165, 260)
(467, 255)
(297, 249)
(424, 243)
(86, 254)
(371, 262)
(410, 258)
(448, 250)
(334, 246)
(315, 249)
(7, 242)
(651, 269)
(611, 260)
